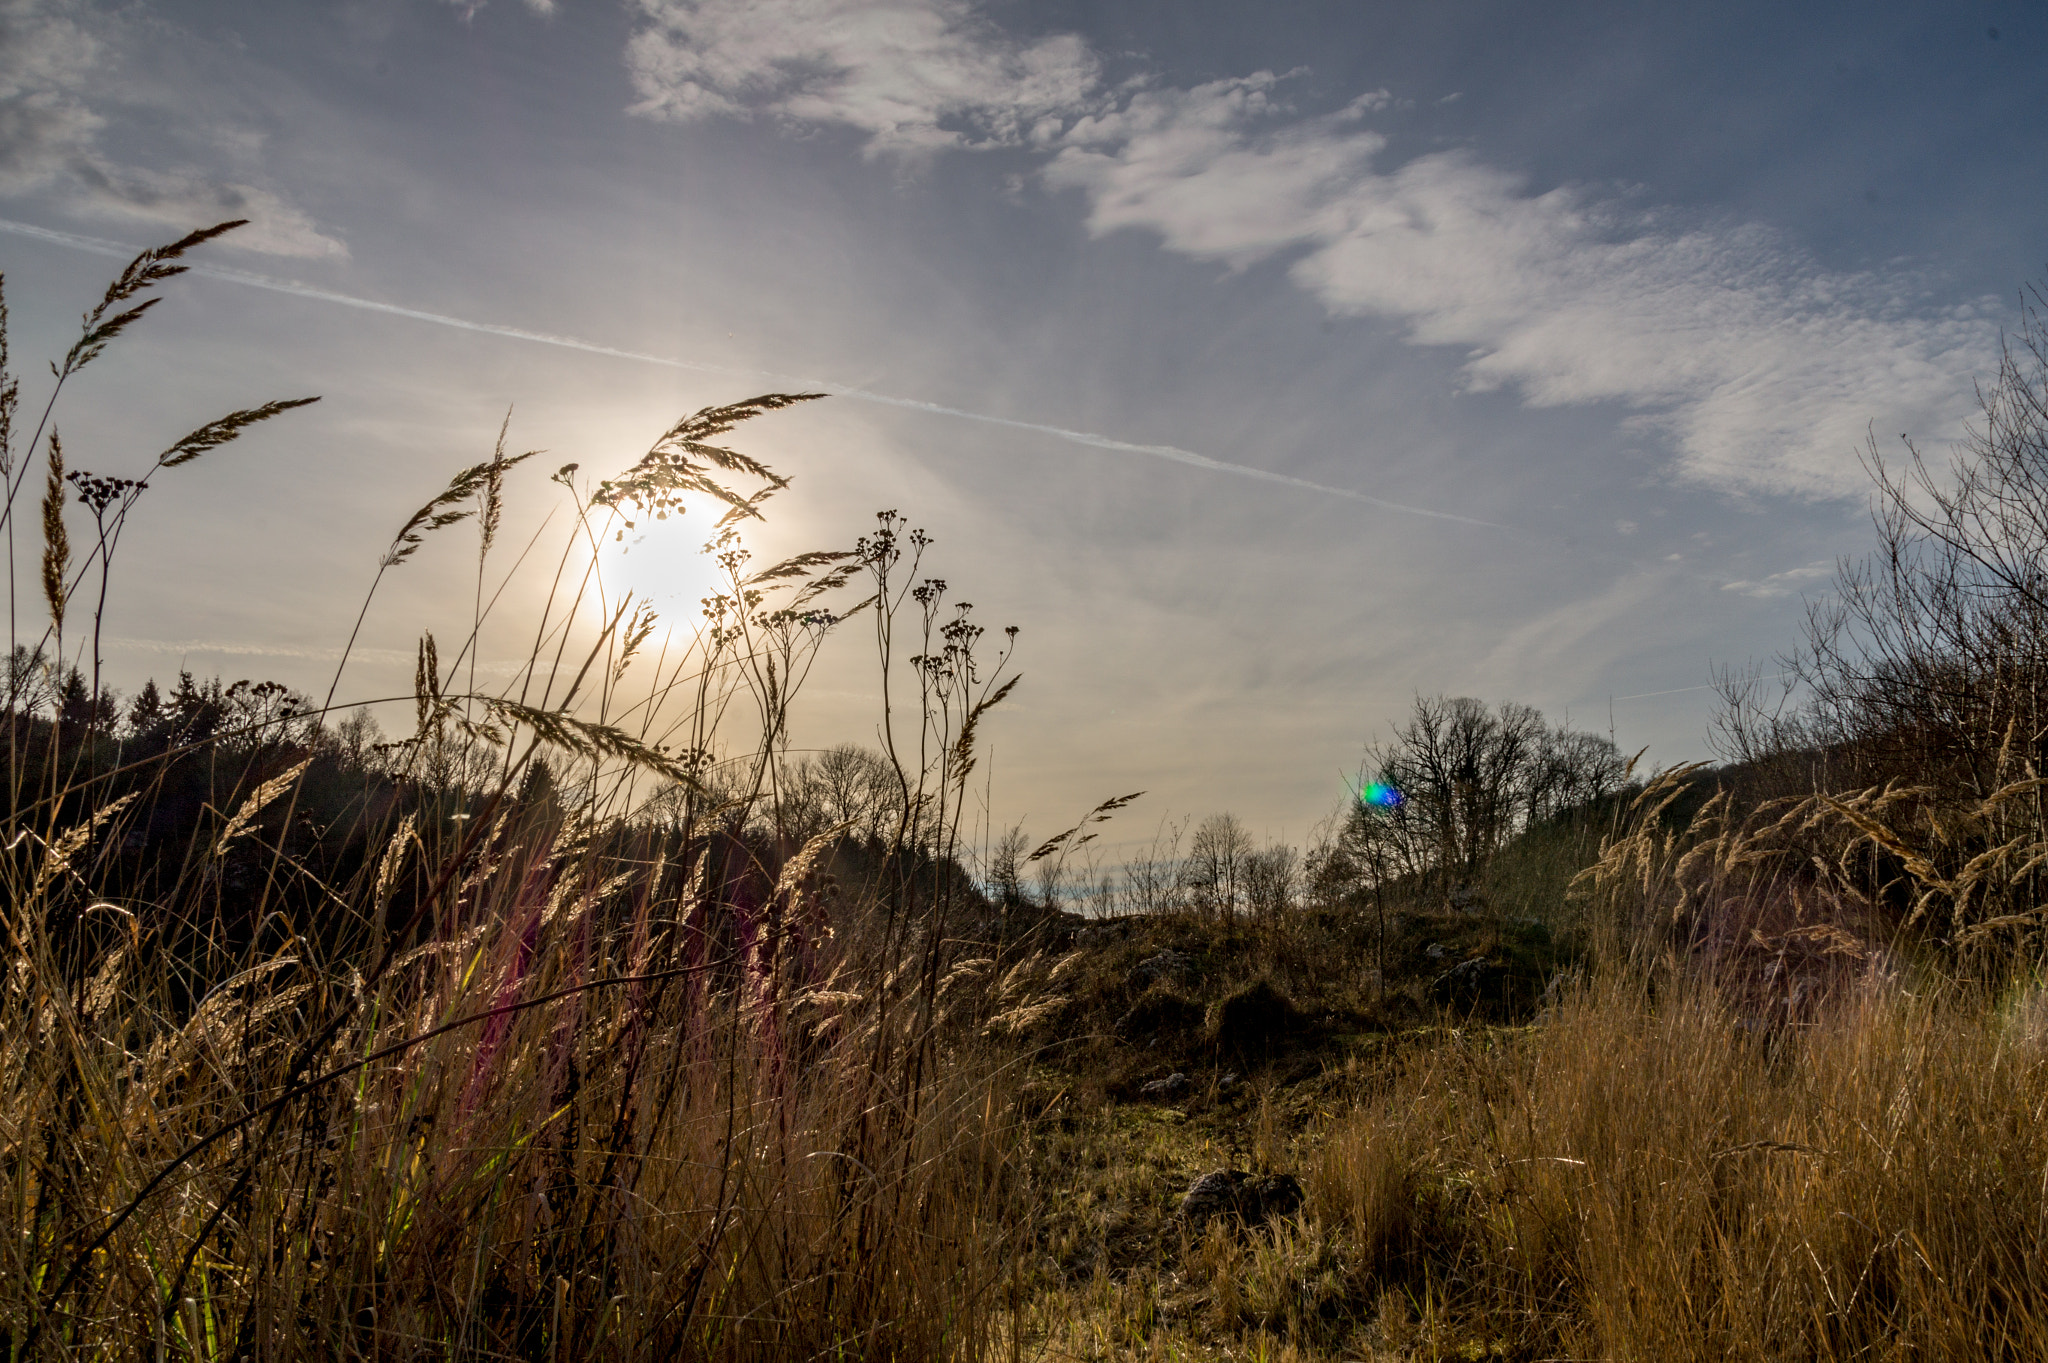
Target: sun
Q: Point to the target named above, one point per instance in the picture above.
(663, 563)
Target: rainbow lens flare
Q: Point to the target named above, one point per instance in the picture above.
(1385, 796)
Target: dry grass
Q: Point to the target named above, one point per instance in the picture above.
(592, 1059)
(1642, 1182)
(1777, 1118)
(680, 1048)
(697, 1164)
(1633, 1180)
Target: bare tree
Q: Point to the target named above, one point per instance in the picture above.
(1272, 877)
(1156, 881)
(1570, 769)
(31, 681)
(852, 785)
(1929, 660)
(1006, 866)
(357, 736)
(1460, 768)
(1217, 860)
(1469, 778)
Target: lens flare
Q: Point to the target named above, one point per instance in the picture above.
(1385, 796)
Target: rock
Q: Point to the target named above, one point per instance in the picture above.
(1466, 899)
(1175, 966)
(1555, 991)
(1465, 983)
(1228, 1082)
(1171, 1089)
(1436, 951)
(1239, 1196)
(1212, 1195)
(1279, 1195)
(1494, 988)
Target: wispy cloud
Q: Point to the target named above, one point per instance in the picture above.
(1089, 438)
(1760, 369)
(60, 76)
(245, 648)
(46, 53)
(915, 76)
(470, 7)
(1788, 583)
(1569, 644)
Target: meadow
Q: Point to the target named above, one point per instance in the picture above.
(589, 1019)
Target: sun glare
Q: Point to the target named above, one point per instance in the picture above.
(662, 562)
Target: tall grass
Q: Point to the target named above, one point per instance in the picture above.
(1783, 1111)
(566, 1029)
(590, 1020)
(1655, 1181)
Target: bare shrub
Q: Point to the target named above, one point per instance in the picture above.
(1929, 661)
(1924, 675)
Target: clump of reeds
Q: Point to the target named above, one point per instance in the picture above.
(574, 1043)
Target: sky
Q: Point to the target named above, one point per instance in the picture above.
(1265, 365)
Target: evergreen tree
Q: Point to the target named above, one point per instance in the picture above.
(79, 710)
(147, 713)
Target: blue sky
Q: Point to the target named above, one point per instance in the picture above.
(1545, 336)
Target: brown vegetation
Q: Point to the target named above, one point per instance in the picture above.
(588, 1020)
(555, 1029)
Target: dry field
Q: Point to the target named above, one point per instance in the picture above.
(587, 1020)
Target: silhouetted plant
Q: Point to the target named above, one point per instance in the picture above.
(314, 1042)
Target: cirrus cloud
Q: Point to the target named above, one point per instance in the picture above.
(1763, 371)
(914, 76)
(1791, 582)
(1760, 371)
(59, 59)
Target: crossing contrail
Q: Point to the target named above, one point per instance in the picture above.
(1088, 438)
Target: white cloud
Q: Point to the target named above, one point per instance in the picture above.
(916, 76)
(1192, 166)
(470, 7)
(186, 199)
(58, 75)
(1762, 370)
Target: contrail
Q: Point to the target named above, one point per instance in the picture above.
(1089, 438)
(242, 649)
(1674, 691)
(1681, 690)
(255, 650)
